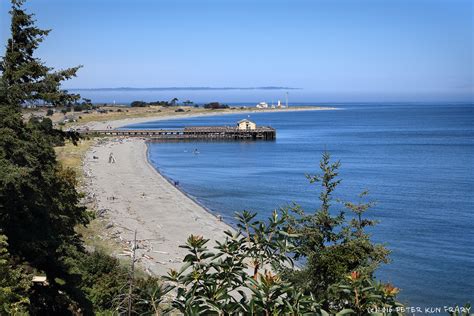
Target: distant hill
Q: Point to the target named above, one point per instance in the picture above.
(183, 88)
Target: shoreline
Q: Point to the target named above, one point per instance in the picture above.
(189, 196)
(135, 196)
(120, 123)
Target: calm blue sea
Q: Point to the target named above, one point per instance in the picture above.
(415, 159)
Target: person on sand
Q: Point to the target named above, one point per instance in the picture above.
(111, 158)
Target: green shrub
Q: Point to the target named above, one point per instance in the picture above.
(14, 283)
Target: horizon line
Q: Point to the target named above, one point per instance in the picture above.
(184, 88)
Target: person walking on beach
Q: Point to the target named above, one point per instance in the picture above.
(111, 158)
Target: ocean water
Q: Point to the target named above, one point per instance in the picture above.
(415, 159)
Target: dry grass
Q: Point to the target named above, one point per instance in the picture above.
(135, 112)
(94, 236)
(118, 113)
(71, 156)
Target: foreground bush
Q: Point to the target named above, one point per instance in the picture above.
(252, 270)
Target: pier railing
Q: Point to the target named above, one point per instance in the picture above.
(199, 132)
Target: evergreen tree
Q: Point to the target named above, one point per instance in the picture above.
(38, 200)
(39, 204)
(3, 92)
(26, 78)
(333, 246)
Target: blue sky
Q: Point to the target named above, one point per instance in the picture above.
(357, 49)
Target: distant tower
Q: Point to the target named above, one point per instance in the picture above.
(286, 99)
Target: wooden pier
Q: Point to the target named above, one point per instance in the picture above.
(192, 133)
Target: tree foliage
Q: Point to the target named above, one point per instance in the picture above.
(333, 242)
(26, 78)
(38, 199)
(173, 102)
(215, 106)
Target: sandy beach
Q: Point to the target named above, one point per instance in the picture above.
(136, 196)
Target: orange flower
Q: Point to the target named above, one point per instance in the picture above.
(195, 238)
(390, 290)
(270, 278)
(354, 276)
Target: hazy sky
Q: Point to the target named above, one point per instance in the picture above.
(401, 48)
